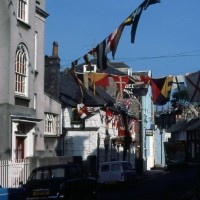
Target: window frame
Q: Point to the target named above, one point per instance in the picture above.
(51, 124)
(22, 10)
(75, 118)
(21, 70)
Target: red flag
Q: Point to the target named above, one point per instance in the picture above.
(121, 82)
(99, 79)
(113, 40)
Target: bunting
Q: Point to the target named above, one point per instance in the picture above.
(99, 79)
(75, 62)
(150, 2)
(120, 82)
(140, 80)
(101, 55)
(135, 21)
(79, 83)
(113, 40)
(161, 88)
(87, 60)
(120, 126)
(93, 52)
(178, 83)
(193, 85)
(84, 111)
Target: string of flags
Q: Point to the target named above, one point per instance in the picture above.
(110, 43)
(161, 87)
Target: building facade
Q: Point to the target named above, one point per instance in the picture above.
(29, 118)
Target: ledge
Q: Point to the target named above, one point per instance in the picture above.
(23, 24)
(17, 96)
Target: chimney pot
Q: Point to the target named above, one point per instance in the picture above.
(55, 49)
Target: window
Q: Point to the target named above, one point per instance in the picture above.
(126, 166)
(22, 13)
(58, 173)
(74, 172)
(105, 168)
(75, 116)
(21, 65)
(115, 167)
(52, 124)
(35, 101)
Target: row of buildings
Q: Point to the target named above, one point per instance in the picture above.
(40, 105)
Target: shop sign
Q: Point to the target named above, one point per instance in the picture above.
(149, 132)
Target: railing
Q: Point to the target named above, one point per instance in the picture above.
(12, 172)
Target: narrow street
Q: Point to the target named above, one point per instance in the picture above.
(166, 185)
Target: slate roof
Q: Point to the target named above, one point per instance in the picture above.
(110, 69)
(71, 94)
(179, 126)
(195, 125)
(182, 125)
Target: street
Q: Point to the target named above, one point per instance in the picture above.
(166, 185)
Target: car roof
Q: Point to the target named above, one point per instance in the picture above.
(112, 162)
(56, 166)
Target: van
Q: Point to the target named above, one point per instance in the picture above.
(116, 172)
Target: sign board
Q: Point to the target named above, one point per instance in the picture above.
(149, 132)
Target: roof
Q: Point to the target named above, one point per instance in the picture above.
(119, 65)
(195, 125)
(72, 94)
(182, 125)
(111, 68)
(53, 166)
(179, 126)
(113, 162)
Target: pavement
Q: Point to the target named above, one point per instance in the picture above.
(151, 173)
(157, 171)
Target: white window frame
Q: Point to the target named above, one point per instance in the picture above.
(22, 10)
(93, 68)
(21, 70)
(51, 124)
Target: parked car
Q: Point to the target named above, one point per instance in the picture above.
(67, 181)
(116, 172)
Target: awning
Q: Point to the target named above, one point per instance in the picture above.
(25, 119)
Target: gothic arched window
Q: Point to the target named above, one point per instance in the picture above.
(21, 70)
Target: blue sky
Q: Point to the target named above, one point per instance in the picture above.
(167, 39)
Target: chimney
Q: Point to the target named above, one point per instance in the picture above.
(55, 49)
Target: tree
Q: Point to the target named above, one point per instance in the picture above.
(180, 102)
(179, 99)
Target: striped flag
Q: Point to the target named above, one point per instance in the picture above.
(112, 40)
(101, 55)
(161, 89)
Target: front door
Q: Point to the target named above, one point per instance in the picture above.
(20, 147)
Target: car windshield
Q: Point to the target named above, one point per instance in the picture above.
(127, 166)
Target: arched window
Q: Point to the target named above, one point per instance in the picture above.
(21, 69)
